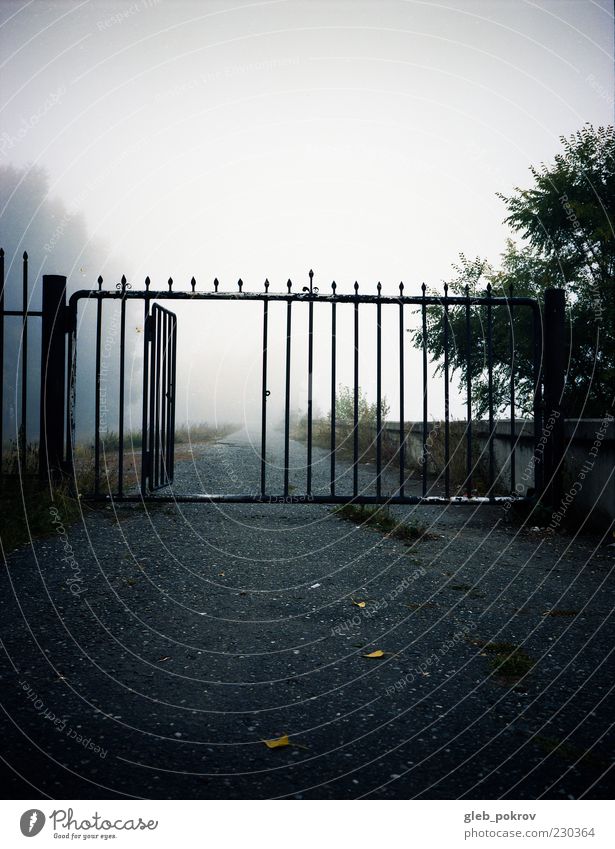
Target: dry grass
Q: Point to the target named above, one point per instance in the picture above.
(25, 501)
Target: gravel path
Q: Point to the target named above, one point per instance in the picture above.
(148, 653)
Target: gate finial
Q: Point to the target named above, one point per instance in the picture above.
(379, 288)
(170, 282)
(240, 284)
(311, 289)
(147, 283)
(216, 284)
(266, 284)
(289, 285)
(123, 285)
(193, 284)
(100, 282)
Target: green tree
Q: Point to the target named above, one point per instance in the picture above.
(566, 220)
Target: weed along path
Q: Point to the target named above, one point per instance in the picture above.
(264, 651)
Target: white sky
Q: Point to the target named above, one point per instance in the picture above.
(363, 139)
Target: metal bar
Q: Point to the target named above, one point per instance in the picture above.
(333, 389)
(145, 466)
(402, 412)
(157, 343)
(169, 397)
(513, 435)
(251, 498)
(22, 433)
(153, 332)
(287, 395)
(97, 395)
(264, 400)
(173, 396)
(410, 300)
(355, 416)
(447, 429)
(425, 396)
(537, 406)
(163, 399)
(120, 452)
(53, 328)
(310, 393)
(469, 462)
(71, 366)
(490, 391)
(2, 315)
(378, 397)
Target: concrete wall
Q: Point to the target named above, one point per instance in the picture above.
(589, 467)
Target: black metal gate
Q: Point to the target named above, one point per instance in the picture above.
(159, 385)
(159, 399)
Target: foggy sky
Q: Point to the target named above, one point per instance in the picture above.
(365, 140)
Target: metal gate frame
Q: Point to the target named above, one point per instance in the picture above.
(159, 396)
(547, 366)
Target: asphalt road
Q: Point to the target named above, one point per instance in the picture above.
(149, 652)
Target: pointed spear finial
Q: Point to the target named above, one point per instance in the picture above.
(401, 290)
(100, 282)
(170, 282)
(193, 284)
(488, 290)
(379, 288)
(147, 283)
(334, 287)
(289, 285)
(216, 284)
(467, 290)
(446, 290)
(311, 276)
(240, 284)
(423, 288)
(356, 288)
(25, 255)
(266, 284)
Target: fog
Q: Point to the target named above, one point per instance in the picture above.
(364, 140)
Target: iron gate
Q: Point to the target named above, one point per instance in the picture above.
(157, 460)
(159, 380)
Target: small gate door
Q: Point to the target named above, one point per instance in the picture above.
(160, 387)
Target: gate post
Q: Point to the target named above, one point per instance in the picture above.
(53, 335)
(554, 352)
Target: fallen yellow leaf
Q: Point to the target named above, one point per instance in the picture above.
(377, 653)
(277, 742)
(359, 603)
